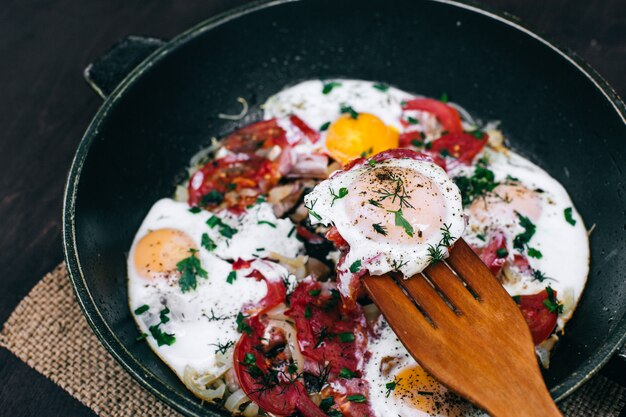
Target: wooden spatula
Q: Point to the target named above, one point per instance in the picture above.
(462, 326)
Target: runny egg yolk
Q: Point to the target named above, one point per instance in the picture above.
(418, 390)
(351, 136)
(158, 252)
(504, 202)
(386, 196)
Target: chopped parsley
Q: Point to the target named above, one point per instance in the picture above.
(381, 87)
(412, 120)
(207, 243)
(568, 216)
(307, 312)
(346, 373)
(521, 240)
(477, 133)
(391, 386)
(326, 403)
(213, 221)
(161, 337)
(242, 324)
(502, 253)
(190, 269)
(267, 223)
(325, 126)
(355, 267)
(232, 276)
(346, 337)
(402, 222)
(540, 276)
(444, 97)
(293, 229)
(348, 109)
(142, 309)
(141, 336)
(356, 398)
(371, 162)
(343, 191)
(329, 86)
(534, 253)
(224, 229)
(552, 303)
(163, 315)
(212, 197)
(379, 228)
(195, 210)
(315, 293)
(481, 182)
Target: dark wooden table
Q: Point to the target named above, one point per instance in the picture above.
(45, 106)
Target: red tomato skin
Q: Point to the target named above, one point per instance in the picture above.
(260, 135)
(309, 236)
(306, 130)
(462, 146)
(446, 115)
(333, 321)
(341, 389)
(333, 235)
(488, 254)
(276, 293)
(282, 399)
(540, 320)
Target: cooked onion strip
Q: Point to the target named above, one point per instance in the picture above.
(241, 115)
(252, 410)
(278, 312)
(236, 400)
(198, 384)
(292, 341)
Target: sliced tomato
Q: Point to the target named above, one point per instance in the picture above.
(357, 389)
(232, 174)
(521, 262)
(256, 136)
(276, 292)
(446, 115)
(311, 134)
(309, 236)
(540, 319)
(338, 240)
(265, 378)
(406, 138)
(327, 333)
(462, 146)
(489, 253)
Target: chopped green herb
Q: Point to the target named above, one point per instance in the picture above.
(142, 309)
(569, 217)
(273, 225)
(434, 254)
(242, 324)
(343, 191)
(412, 120)
(141, 336)
(190, 268)
(334, 413)
(512, 179)
(321, 336)
(481, 237)
(427, 393)
(379, 228)
(346, 337)
(195, 209)
(326, 403)
(311, 212)
(481, 182)
(346, 373)
(213, 221)
(477, 133)
(227, 231)
(402, 222)
(325, 126)
(534, 253)
(381, 87)
(371, 162)
(293, 229)
(516, 298)
(161, 337)
(391, 386)
(207, 243)
(540, 276)
(444, 97)
(329, 86)
(374, 203)
(502, 253)
(355, 267)
(521, 240)
(348, 109)
(212, 197)
(444, 153)
(417, 143)
(315, 293)
(223, 348)
(232, 276)
(249, 359)
(307, 312)
(163, 315)
(552, 303)
(356, 398)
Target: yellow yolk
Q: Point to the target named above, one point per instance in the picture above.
(158, 252)
(417, 389)
(349, 137)
(379, 195)
(504, 202)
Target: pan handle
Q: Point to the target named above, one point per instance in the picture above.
(108, 71)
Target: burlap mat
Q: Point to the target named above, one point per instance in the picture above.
(48, 331)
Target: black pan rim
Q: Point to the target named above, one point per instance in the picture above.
(94, 317)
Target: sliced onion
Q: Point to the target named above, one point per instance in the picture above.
(278, 312)
(198, 385)
(181, 193)
(251, 410)
(241, 115)
(292, 341)
(235, 400)
(295, 266)
(310, 165)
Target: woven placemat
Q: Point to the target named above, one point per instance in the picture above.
(48, 331)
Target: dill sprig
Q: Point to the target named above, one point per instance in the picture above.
(310, 208)
(223, 348)
(397, 192)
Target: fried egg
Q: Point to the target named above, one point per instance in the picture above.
(392, 213)
(190, 329)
